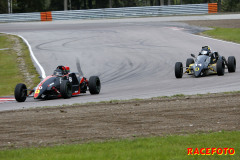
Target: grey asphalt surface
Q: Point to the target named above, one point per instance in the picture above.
(134, 58)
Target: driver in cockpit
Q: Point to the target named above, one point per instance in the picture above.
(61, 70)
(207, 51)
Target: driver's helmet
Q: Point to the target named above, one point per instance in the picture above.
(67, 69)
(205, 50)
(58, 72)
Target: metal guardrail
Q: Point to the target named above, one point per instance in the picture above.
(131, 12)
(20, 17)
(148, 11)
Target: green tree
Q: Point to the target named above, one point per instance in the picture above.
(231, 5)
(130, 3)
(117, 3)
(102, 3)
(3, 7)
(55, 5)
(23, 6)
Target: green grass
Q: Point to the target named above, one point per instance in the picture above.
(179, 95)
(10, 73)
(228, 34)
(167, 147)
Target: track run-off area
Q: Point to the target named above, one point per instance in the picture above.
(134, 58)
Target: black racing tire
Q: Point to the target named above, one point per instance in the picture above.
(220, 67)
(66, 89)
(94, 85)
(189, 61)
(20, 92)
(231, 64)
(178, 70)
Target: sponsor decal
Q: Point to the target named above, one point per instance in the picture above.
(197, 69)
(39, 87)
(210, 151)
(51, 84)
(70, 79)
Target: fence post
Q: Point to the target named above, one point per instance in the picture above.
(65, 5)
(110, 3)
(161, 2)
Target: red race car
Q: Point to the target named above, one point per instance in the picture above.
(62, 83)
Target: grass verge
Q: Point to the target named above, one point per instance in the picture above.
(168, 147)
(176, 96)
(29, 64)
(11, 73)
(228, 34)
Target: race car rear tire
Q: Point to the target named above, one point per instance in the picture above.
(66, 89)
(94, 85)
(231, 64)
(20, 92)
(220, 67)
(189, 61)
(178, 70)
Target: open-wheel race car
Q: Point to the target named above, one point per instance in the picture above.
(62, 83)
(206, 63)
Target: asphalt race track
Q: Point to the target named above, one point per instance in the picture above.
(134, 58)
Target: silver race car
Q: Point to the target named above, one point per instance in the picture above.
(206, 63)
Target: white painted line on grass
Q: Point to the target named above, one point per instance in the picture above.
(32, 54)
(2, 49)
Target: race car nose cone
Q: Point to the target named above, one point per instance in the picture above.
(198, 70)
(197, 75)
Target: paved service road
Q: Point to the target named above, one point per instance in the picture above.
(134, 58)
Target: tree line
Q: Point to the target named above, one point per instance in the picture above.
(23, 6)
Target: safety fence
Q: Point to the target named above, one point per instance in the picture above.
(148, 11)
(20, 17)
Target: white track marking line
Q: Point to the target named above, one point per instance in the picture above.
(216, 39)
(32, 54)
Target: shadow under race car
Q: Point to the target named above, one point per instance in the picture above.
(206, 63)
(61, 84)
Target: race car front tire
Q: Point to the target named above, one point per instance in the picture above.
(20, 92)
(220, 67)
(66, 89)
(178, 70)
(94, 85)
(231, 64)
